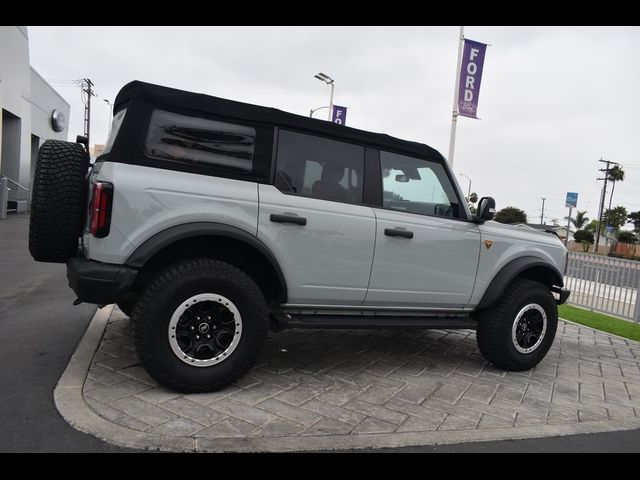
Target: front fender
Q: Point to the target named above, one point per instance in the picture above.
(514, 269)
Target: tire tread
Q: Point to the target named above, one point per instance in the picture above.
(495, 322)
(58, 201)
(177, 274)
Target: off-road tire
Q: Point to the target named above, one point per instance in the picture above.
(494, 330)
(152, 314)
(58, 201)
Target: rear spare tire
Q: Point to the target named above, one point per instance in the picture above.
(58, 201)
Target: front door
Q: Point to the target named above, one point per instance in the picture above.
(313, 220)
(426, 255)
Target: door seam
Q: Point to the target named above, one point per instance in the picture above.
(375, 242)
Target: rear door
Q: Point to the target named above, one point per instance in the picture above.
(426, 255)
(314, 221)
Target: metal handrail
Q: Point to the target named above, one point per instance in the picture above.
(15, 183)
(604, 284)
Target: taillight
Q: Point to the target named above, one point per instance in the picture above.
(101, 201)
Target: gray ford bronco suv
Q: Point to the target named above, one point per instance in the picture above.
(210, 221)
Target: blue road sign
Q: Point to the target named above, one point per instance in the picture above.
(572, 200)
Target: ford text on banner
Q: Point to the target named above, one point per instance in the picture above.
(339, 115)
(470, 76)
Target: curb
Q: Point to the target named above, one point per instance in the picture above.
(69, 401)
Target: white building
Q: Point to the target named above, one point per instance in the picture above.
(28, 104)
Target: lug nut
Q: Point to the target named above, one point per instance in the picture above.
(197, 337)
(208, 336)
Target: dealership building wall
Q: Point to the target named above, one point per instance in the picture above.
(27, 103)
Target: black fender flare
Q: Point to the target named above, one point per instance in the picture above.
(510, 271)
(163, 239)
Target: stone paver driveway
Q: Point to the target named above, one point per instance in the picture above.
(357, 383)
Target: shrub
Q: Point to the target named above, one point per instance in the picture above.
(582, 236)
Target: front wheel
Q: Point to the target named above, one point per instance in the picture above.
(517, 332)
(199, 325)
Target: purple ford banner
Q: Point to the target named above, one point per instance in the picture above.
(470, 77)
(339, 115)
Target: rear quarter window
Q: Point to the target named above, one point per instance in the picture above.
(194, 140)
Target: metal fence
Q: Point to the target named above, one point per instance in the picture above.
(604, 284)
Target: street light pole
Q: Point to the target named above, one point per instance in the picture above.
(329, 81)
(314, 110)
(110, 105)
(331, 101)
(468, 191)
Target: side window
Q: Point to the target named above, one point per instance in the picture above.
(318, 167)
(417, 186)
(188, 139)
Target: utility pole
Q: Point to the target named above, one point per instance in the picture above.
(602, 199)
(85, 88)
(542, 214)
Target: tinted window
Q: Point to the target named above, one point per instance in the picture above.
(202, 141)
(417, 186)
(318, 167)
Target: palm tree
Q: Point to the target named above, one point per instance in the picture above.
(580, 220)
(616, 174)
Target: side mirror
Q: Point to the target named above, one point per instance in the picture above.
(486, 209)
(402, 178)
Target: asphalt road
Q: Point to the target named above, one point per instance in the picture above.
(605, 270)
(39, 331)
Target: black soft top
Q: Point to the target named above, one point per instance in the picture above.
(157, 94)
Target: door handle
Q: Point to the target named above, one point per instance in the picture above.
(395, 232)
(288, 219)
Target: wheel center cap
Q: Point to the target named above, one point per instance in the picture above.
(203, 327)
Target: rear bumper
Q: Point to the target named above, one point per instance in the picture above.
(101, 283)
(563, 294)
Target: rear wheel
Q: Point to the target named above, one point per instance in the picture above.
(517, 332)
(58, 201)
(199, 325)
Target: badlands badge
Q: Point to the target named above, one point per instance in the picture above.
(488, 243)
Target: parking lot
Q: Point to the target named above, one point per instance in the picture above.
(336, 389)
(311, 390)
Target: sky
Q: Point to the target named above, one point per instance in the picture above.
(553, 100)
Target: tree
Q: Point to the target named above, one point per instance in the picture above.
(634, 217)
(627, 237)
(585, 238)
(616, 217)
(616, 174)
(471, 201)
(592, 226)
(511, 215)
(580, 220)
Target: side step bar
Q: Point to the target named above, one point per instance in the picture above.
(377, 321)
